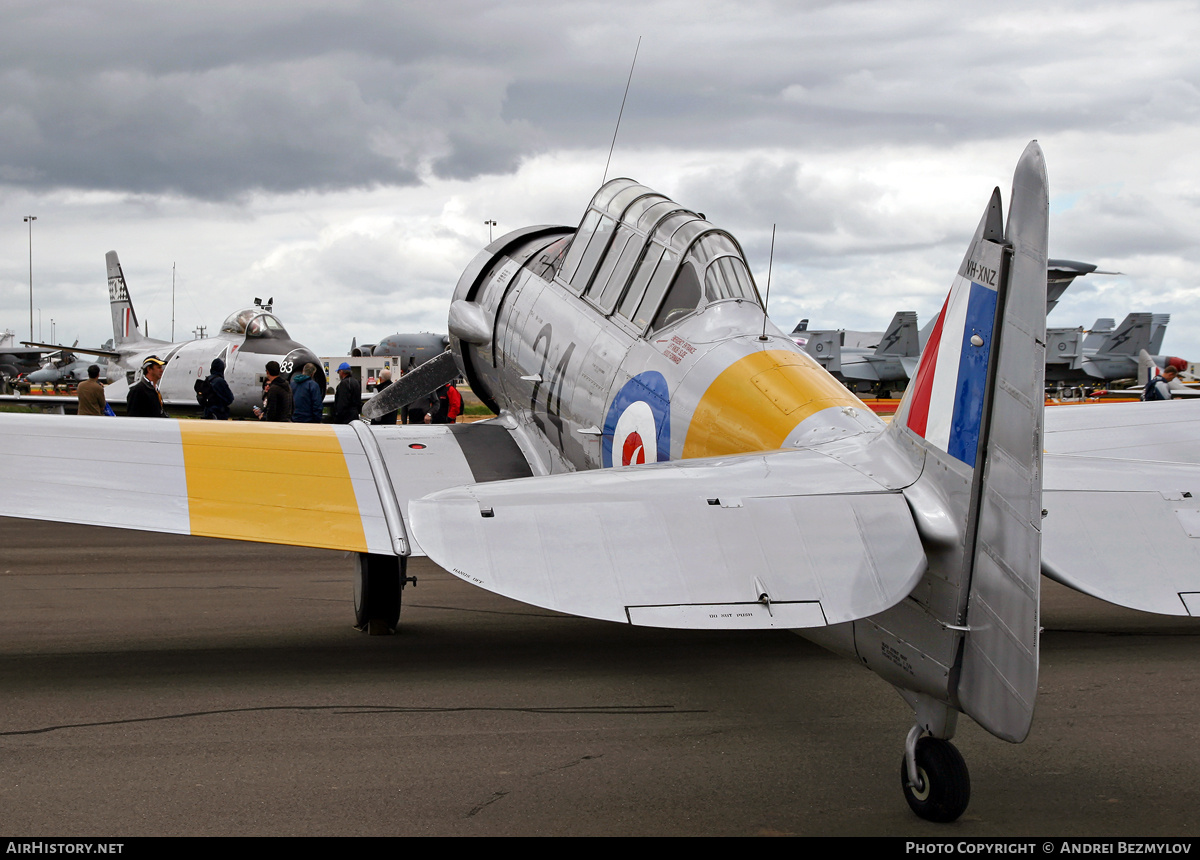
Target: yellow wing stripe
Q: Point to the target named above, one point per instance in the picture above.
(277, 483)
(756, 402)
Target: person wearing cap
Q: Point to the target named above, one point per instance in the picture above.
(144, 399)
(278, 396)
(347, 399)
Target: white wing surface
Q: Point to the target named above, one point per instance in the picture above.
(334, 487)
(1166, 430)
(786, 539)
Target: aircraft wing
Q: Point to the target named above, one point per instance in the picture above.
(334, 487)
(1122, 500)
(1166, 431)
(784, 539)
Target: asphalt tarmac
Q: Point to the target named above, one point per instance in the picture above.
(162, 685)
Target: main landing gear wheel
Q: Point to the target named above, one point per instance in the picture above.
(379, 581)
(945, 788)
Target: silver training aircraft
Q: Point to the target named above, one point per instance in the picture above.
(248, 339)
(664, 456)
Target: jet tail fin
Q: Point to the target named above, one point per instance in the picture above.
(124, 319)
(974, 409)
(901, 337)
(1131, 336)
(1158, 331)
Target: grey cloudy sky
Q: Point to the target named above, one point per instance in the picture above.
(342, 157)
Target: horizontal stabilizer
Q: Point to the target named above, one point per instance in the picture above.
(786, 539)
(1125, 532)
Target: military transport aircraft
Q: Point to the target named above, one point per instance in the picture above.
(248, 339)
(410, 349)
(664, 456)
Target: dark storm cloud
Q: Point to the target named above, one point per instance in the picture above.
(218, 100)
(213, 105)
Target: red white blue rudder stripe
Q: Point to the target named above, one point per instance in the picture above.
(945, 402)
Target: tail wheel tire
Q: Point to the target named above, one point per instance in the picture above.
(377, 592)
(945, 788)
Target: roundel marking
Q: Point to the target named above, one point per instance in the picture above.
(638, 426)
(635, 426)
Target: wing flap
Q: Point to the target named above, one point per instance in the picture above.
(787, 539)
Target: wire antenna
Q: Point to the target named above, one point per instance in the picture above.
(767, 300)
(621, 112)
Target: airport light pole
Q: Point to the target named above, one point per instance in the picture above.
(29, 219)
(490, 224)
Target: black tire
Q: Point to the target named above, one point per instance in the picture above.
(377, 592)
(947, 784)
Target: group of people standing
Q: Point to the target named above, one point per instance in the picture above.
(301, 401)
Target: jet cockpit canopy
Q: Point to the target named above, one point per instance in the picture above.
(254, 322)
(648, 262)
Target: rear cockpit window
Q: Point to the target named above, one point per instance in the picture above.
(728, 278)
(626, 259)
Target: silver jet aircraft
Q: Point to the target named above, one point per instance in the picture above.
(664, 456)
(248, 339)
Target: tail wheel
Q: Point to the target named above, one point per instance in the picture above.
(945, 788)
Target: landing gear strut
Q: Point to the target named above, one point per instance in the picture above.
(934, 778)
(379, 582)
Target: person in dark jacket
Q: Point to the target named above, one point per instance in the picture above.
(214, 393)
(385, 379)
(144, 399)
(347, 399)
(278, 396)
(308, 400)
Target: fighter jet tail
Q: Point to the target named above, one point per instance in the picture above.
(1132, 336)
(124, 319)
(974, 414)
(901, 338)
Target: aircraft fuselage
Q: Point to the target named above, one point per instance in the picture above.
(611, 379)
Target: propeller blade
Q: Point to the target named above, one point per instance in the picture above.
(415, 384)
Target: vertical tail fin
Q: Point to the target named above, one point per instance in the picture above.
(1132, 335)
(975, 409)
(901, 336)
(1158, 331)
(124, 320)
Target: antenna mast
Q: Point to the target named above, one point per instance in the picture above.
(621, 112)
(770, 265)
